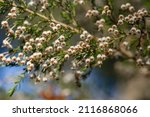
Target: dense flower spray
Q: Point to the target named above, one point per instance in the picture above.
(44, 42)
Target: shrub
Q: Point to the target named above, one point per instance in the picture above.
(45, 42)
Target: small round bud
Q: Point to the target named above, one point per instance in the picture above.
(102, 21)
(123, 7)
(29, 68)
(103, 56)
(89, 12)
(114, 26)
(13, 9)
(66, 56)
(45, 79)
(59, 48)
(22, 62)
(44, 65)
(18, 59)
(92, 58)
(5, 24)
(116, 32)
(95, 12)
(55, 62)
(14, 59)
(31, 40)
(106, 7)
(101, 45)
(108, 38)
(29, 48)
(63, 44)
(12, 15)
(89, 37)
(99, 56)
(52, 24)
(99, 63)
(138, 31)
(82, 36)
(105, 44)
(58, 26)
(100, 27)
(31, 65)
(125, 44)
(55, 28)
(49, 49)
(133, 30)
(49, 32)
(88, 15)
(131, 21)
(85, 33)
(20, 55)
(62, 38)
(27, 44)
(98, 22)
(120, 22)
(44, 34)
(25, 48)
(39, 45)
(128, 5)
(131, 9)
(103, 12)
(110, 51)
(127, 19)
(109, 12)
(121, 17)
(87, 61)
(110, 30)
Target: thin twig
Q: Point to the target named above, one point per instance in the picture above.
(47, 19)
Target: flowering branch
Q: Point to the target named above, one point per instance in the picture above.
(44, 42)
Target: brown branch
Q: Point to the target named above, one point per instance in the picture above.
(49, 20)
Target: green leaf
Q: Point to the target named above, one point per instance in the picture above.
(4, 6)
(12, 90)
(66, 16)
(17, 83)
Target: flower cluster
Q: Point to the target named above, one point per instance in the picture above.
(113, 30)
(44, 5)
(133, 18)
(100, 23)
(13, 13)
(106, 10)
(127, 6)
(91, 13)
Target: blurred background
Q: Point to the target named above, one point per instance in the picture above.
(116, 79)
